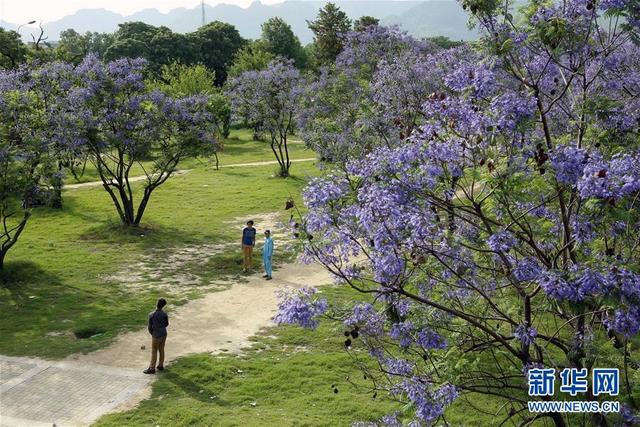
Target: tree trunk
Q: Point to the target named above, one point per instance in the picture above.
(279, 157)
(129, 216)
(8, 244)
(143, 205)
(287, 160)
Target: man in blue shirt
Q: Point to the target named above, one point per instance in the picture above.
(248, 242)
(158, 322)
(267, 254)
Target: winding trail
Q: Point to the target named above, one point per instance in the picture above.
(83, 387)
(184, 171)
(221, 321)
(79, 389)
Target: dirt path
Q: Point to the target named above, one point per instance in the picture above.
(184, 171)
(83, 387)
(221, 321)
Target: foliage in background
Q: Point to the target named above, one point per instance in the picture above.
(73, 46)
(363, 22)
(12, 51)
(329, 29)
(279, 40)
(178, 80)
(252, 57)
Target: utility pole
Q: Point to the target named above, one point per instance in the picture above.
(202, 7)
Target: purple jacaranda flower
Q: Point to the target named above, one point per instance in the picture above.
(299, 307)
(526, 334)
(501, 241)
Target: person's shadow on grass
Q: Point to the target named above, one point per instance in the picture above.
(190, 388)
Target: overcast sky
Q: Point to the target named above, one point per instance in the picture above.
(21, 11)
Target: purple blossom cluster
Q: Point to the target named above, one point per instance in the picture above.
(526, 334)
(630, 416)
(368, 319)
(568, 162)
(526, 270)
(625, 321)
(429, 402)
(501, 241)
(613, 179)
(300, 307)
(403, 333)
(430, 340)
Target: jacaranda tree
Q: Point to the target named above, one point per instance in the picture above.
(340, 118)
(494, 224)
(269, 99)
(29, 175)
(121, 124)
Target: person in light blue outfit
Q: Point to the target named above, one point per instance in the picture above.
(267, 254)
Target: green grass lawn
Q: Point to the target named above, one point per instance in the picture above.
(237, 149)
(55, 284)
(287, 378)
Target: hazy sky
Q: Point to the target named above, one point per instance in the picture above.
(21, 11)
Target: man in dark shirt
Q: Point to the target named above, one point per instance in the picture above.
(158, 322)
(248, 242)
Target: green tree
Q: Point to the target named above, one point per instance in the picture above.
(127, 48)
(310, 54)
(12, 50)
(363, 22)
(279, 40)
(168, 47)
(132, 39)
(329, 30)
(73, 46)
(179, 81)
(252, 57)
(158, 45)
(444, 42)
(216, 44)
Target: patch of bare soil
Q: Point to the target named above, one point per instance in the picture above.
(180, 270)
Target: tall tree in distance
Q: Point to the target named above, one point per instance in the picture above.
(217, 43)
(132, 39)
(329, 30)
(158, 45)
(279, 40)
(363, 22)
(12, 50)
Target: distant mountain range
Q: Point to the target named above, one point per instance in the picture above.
(419, 18)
